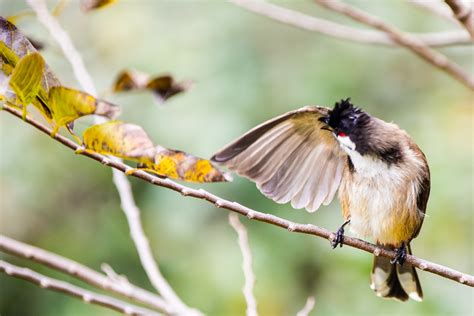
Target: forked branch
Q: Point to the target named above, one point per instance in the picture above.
(83, 273)
(314, 24)
(406, 40)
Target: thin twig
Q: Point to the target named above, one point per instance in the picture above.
(310, 23)
(464, 14)
(82, 272)
(246, 264)
(406, 40)
(73, 290)
(308, 307)
(128, 204)
(219, 202)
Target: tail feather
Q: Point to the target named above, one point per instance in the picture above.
(395, 281)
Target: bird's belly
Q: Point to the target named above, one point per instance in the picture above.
(379, 209)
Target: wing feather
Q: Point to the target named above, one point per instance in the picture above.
(290, 158)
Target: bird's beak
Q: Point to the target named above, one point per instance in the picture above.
(325, 121)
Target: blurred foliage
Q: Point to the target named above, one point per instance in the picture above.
(247, 69)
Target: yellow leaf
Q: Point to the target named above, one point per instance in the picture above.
(69, 104)
(179, 165)
(119, 139)
(26, 78)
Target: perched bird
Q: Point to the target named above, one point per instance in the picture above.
(306, 155)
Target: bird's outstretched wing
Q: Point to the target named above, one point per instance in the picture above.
(290, 158)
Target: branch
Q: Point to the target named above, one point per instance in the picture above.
(70, 289)
(128, 204)
(307, 308)
(246, 265)
(219, 202)
(463, 14)
(404, 39)
(82, 272)
(310, 23)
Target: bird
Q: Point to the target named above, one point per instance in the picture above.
(381, 175)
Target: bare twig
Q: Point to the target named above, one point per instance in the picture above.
(246, 264)
(128, 204)
(406, 40)
(310, 23)
(464, 14)
(307, 308)
(219, 202)
(82, 272)
(436, 7)
(73, 290)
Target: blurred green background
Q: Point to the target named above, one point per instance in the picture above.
(247, 69)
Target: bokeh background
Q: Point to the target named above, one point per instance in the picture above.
(247, 69)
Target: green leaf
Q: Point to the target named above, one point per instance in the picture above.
(119, 139)
(68, 105)
(26, 78)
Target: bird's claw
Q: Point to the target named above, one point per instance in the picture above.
(401, 255)
(338, 239)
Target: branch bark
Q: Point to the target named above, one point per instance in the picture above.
(83, 273)
(121, 182)
(436, 7)
(310, 23)
(403, 39)
(246, 264)
(70, 289)
(463, 14)
(219, 202)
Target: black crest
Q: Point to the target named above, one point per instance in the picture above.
(344, 112)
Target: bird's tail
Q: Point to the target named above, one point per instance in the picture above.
(395, 281)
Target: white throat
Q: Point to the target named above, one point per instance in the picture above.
(366, 166)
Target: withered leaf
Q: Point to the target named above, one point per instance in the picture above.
(88, 5)
(69, 104)
(179, 165)
(130, 80)
(119, 139)
(26, 78)
(163, 87)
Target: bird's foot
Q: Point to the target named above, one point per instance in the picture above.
(339, 236)
(401, 255)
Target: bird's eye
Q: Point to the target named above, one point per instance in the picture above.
(341, 134)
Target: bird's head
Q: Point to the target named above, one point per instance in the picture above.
(348, 124)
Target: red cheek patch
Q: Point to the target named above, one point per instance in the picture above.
(341, 134)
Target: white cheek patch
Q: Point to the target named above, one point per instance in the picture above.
(346, 142)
